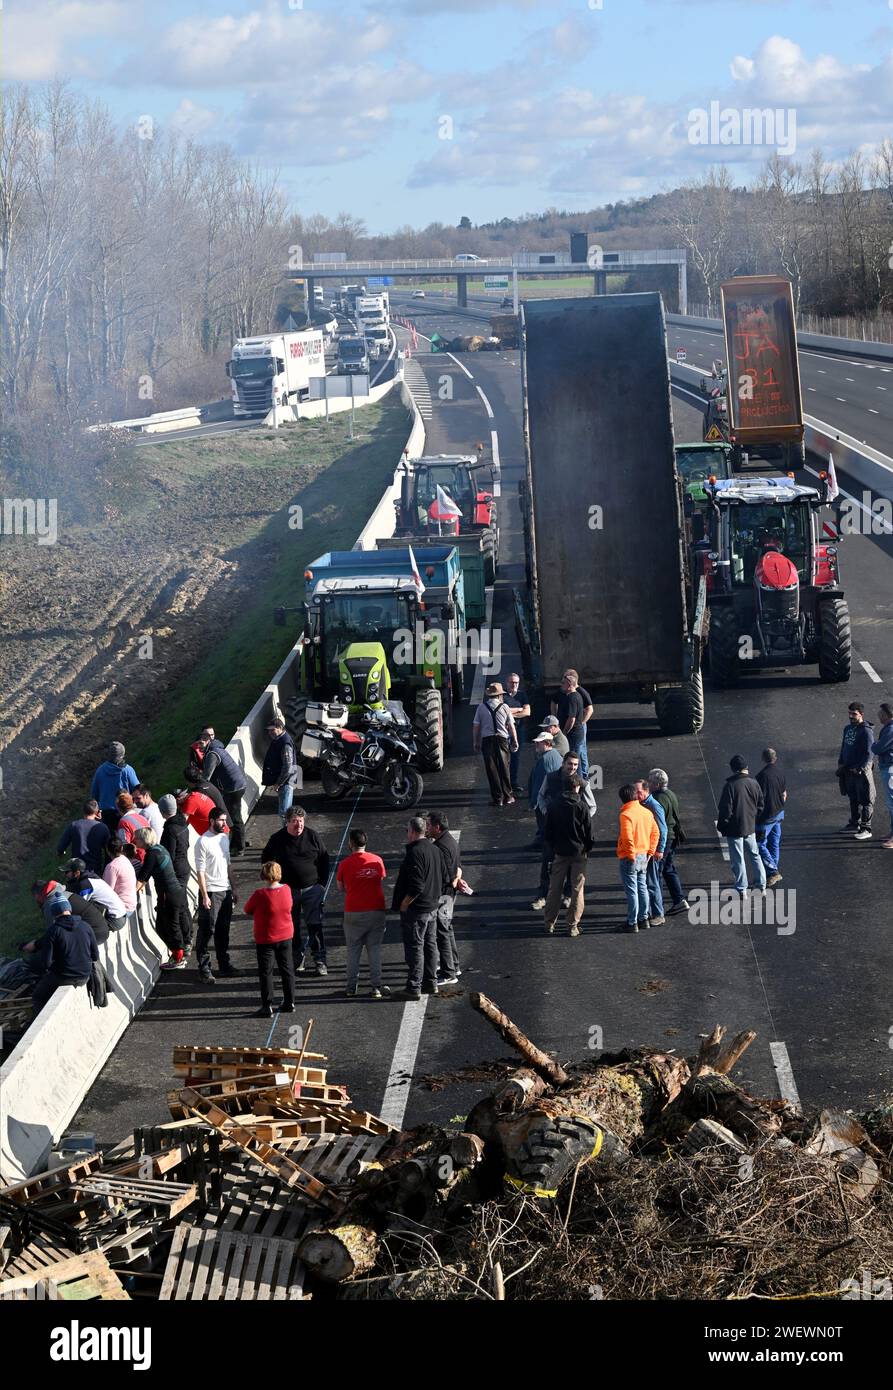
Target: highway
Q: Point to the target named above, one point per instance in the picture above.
(817, 995)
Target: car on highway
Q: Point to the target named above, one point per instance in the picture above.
(507, 302)
(466, 258)
(418, 294)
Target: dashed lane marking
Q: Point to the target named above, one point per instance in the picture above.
(871, 672)
(785, 1073)
(497, 465)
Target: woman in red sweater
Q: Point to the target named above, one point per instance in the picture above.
(270, 906)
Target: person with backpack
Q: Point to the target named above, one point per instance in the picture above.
(495, 737)
(111, 778)
(280, 770)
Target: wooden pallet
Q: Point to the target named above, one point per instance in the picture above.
(39, 1254)
(212, 1265)
(289, 1173)
(339, 1119)
(78, 1278)
(332, 1158)
(15, 1008)
(240, 1092)
(197, 1064)
(22, 1193)
(168, 1199)
(256, 1203)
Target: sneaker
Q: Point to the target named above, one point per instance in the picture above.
(565, 902)
(644, 924)
(413, 994)
(173, 964)
(538, 904)
(228, 970)
(351, 991)
(682, 906)
(448, 979)
(518, 791)
(658, 921)
(863, 834)
(321, 968)
(550, 928)
(430, 989)
(301, 969)
(888, 843)
(287, 1008)
(206, 978)
(574, 931)
(630, 926)
(265, 1011)
(773, 879)
(380, 993)
(509, 801)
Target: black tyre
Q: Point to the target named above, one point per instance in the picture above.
(551, 1150)
(332, 785)
(723, 647)
(680, 710)
(489, 549)
(457, 676)
(836, 646)
(402, 787)
(427, 723)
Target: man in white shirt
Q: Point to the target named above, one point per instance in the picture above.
(147, 807)
(78, 879)
(216, 897)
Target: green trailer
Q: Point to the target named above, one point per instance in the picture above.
(472, 560)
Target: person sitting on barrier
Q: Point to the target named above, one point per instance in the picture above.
(91, 886)
(47, 892)
(120, 875)
(66, 955)
(169, 895)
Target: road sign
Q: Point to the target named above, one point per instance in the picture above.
(713, 435)
(681, 355)
(496, 282)
(379, 282)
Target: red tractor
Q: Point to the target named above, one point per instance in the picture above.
(440, 495)
(773, 587)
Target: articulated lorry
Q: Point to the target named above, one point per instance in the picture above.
(608, 590)
(274, 369)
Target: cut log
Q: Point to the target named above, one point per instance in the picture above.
(715, 1055)
(541, 1062)
(466, 1150)
(518, 1091)
(340, 1253)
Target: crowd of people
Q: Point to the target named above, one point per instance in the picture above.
(124, 839)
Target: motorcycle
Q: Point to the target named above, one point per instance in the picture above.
(379, 754)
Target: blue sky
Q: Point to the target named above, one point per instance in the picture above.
(424, 110)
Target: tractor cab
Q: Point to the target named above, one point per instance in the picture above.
(356, 616)
(755, 516)
(432, 488)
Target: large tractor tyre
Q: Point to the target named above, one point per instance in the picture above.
(333, 786)
(489, 549)
(836, 645)
(448, 716)
(723, 647)
(296, 725)
(552, 1148)
(427, 723)
(681, 710)
(403, 787)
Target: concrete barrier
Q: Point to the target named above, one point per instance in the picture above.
(156, 424)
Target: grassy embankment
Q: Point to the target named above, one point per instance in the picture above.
(348, 480)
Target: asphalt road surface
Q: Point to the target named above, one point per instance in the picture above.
(818, 995)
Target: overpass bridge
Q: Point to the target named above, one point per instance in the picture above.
(600, 264)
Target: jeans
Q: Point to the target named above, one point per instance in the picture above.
(576, 742)
(564, 866)
(447, 951)
(632, 876)
(769, 842)
(737, 845)
(364, 929)
(233, 803)
(286, 797)
(281, 953)
(216, 919)
(420, 949)
(652, 883)
(886, 775)
(671, 876)
(307, 902)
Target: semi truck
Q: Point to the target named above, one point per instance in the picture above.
(608, 587)
(274, 369)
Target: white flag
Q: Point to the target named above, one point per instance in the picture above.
(415, 572)
(445, 504)
(833, 489)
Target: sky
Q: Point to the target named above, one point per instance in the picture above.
(429, 110)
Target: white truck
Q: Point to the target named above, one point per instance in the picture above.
(274, 369)
(373, 308)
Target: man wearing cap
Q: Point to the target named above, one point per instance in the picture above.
(220, 768)
(47, 893)
(175, 839)
(280, 769)
(550, 725)
(547, 760)
(66, 955)
(87, 838)
(79, 880)
(495, 736)
(113, 776)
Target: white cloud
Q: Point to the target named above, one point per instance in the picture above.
(41, 41)
(195, 122)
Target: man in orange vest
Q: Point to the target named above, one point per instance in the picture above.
(637, 841)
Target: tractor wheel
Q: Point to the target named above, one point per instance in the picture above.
(457, 676)
(680, 710)
(836, 650)
(448, 713)
(427, 723)
(296, 724)
(489, 549)
(552, 1148)
(723, 647)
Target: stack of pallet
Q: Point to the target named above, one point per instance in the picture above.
(260, 1150)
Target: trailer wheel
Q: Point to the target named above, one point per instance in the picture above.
(723, 647)
(489, 550)
(427, 723)
(680, 710)
(836, 649)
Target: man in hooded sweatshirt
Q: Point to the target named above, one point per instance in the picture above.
(111, 778)
(495, 736)
(882, 748)
(854, 773)
(66, 955)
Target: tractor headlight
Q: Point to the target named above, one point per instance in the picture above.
(373, 690)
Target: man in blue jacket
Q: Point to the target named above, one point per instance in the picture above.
(67, 953)
(653, 871)
(111, 778)
(882, 748)
(854, 766)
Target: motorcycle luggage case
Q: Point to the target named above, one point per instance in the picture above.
(311, 745)
(330, 716)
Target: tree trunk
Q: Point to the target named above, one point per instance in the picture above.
(541, 1062)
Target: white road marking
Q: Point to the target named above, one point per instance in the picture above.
(882, 388)
(810, 388)
(785, 1073)
(850, 378)
(487, 406)
(842, 399)
(497, 465)
(462, 367)
(396, 1092)
(872, 411)
(482, 675)
(821, 371)
(871, 672)
(724, 848)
